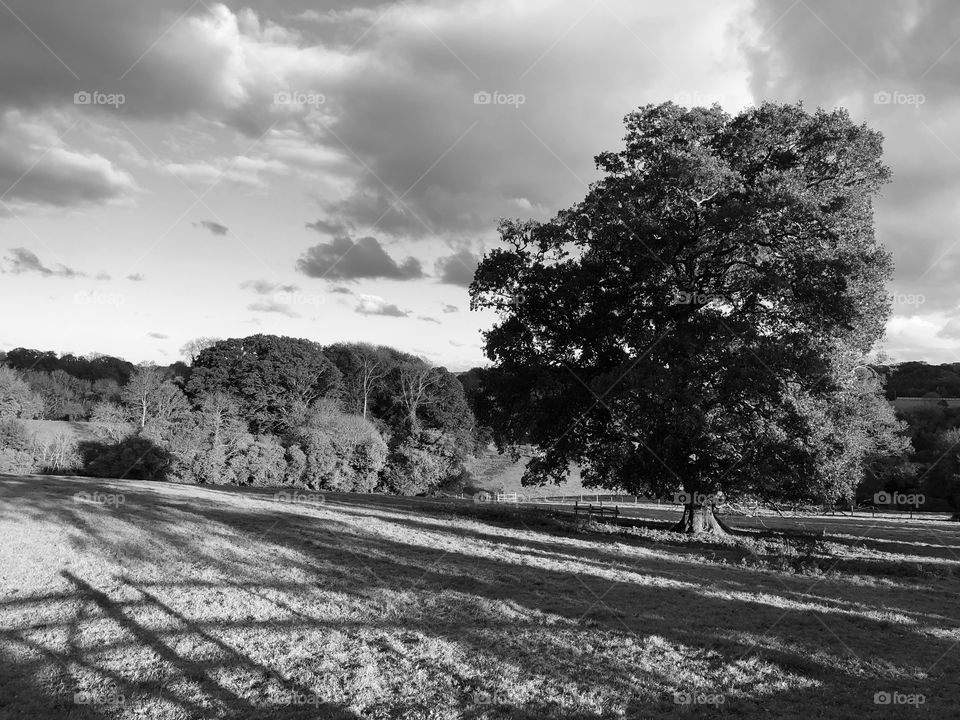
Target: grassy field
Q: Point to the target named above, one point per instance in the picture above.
(498, 473)
(126, 599)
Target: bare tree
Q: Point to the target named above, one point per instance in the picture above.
(192, 348)
(372, 371)
(417, 379)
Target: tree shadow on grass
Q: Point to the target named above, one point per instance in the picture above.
(237, 600)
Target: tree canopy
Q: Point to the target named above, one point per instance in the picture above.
(696, 321)
(273, 378)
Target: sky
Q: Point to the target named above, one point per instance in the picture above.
(185, 168)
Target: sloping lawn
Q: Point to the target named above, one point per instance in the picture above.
(151, 600)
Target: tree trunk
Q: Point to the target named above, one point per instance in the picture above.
(700, 519)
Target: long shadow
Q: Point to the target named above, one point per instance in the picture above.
(495, 606)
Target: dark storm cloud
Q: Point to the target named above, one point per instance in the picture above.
(458, 268)
(343, 259)
(21, 260)
(214, 227)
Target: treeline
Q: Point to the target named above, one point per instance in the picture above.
(261, 410)
(918, 379)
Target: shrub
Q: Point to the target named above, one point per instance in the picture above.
(17, 399)
(15, 458)
(261, 463)
(137, 457)
(341, 452)
(109, 420)
(422, 463)
(59, 454)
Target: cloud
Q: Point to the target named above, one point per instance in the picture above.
(214, 227)
(950, 330)
(264, 287)
(240, 170)
(135, 277)
(343, 259)
(339, 289)
(157, 336)
(449, 308)
(893, 70)
(103, 276)
(333, 228)
(39, 168)
(427, 318)
(458, 268)
(273, 306)
(375, 305)
(20, 261)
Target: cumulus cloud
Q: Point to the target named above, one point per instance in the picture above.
(458, 268)
(157, 336)
(20, 261)
(135, 277)
(376, 305)
(427, 318)
(449, 308)
(343, 259)
(38, 168)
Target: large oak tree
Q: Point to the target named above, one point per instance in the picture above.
(696, 322)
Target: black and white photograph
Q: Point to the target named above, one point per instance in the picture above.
(479, 359)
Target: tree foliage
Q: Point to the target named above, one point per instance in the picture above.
(697, 319)
(273, 378)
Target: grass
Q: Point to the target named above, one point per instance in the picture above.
(177, 601)
(497, 472)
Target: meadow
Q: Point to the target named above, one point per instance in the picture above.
(133, 599)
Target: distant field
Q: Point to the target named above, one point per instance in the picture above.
(494, 472)
(49, 429)
(130, 599)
